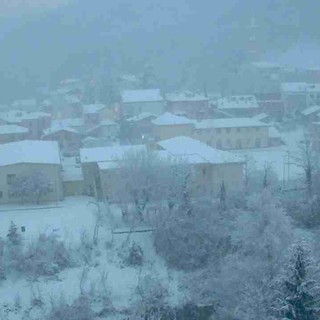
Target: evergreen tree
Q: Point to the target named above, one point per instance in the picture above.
(300, 295)
(13, 236)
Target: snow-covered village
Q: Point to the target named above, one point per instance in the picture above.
(159, 160)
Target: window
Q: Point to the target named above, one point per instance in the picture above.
(219, 144)
(247, 129)
(228, 143)
(10, 178)
(1, 194)
(239, 144)
(218, 130)
(257, 129)
(204, 172)
(228, 130)
(238, 129)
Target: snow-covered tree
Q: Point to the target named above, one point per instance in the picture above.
(13, 236)
(298, 297)
(188, 239)
(32, 187)
(263, 230)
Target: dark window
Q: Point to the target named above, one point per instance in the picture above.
(1, 194)
(10, 178)
(204, 171)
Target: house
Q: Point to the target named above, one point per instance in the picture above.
(140, 126)
(194, 105)
(106, 129)
(310, 114)
(134, 102)
(239, 105)
(233, 133)
(35, 122)
(169, 126)
(74, 123)
(92, 113)
(24, 158)
(72, 177)
(69, 139)
(98, 166)
(298, 96)
(272, 104)
(210, 166)
(12, 132)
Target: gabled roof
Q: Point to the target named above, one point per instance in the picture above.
(30, 151)
(142, 116)
(310, 110)
(68, 122)
(12, 129)
(168, 119)
(230, 123)
(147, 95)
(194, 151)
(17, 116)
(56, 129)
(105, 123)
(102, 154)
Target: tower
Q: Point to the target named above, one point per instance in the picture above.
(253, 41)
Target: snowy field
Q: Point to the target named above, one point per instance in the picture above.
(68, 219)
(279, 158)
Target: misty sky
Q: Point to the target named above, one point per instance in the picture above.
(14, 7)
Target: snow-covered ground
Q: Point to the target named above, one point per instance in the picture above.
(69, 219)
(280, 158)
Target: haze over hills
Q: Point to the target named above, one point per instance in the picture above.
(187, 42)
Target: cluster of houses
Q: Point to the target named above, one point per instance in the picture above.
(79, 146)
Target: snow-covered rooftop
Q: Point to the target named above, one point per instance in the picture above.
(168, 119)
(300, 87)
(142, 116)
(260, 116)
(105, 123)
(55, 129)
(16, 116)
(310, 110)
(108, 165)
(237, 102)
(68, 122)
(102, 154)
(186, 96)
(12, 129)
(230, 123)
(93, 108)
(30, 151)
(194, 151)
(147, 95)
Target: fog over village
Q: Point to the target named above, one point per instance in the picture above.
(159, 160)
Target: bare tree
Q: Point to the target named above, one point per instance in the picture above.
(305, 159)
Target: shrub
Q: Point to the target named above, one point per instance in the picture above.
(46, 257)
(80, 309)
